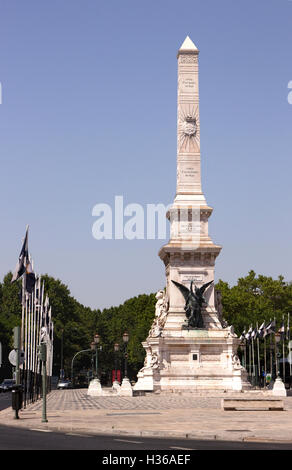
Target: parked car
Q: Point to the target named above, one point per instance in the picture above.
(7, 385)
(63, 384)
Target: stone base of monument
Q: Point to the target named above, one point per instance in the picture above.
(279, 389)
(94, 389)
(126, 389)
(186, 361)
(116, 386)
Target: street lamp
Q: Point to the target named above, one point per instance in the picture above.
(116, 349)
(277, 340)
(116, 384)
(126, 340)
(94, 346)
(279, 386)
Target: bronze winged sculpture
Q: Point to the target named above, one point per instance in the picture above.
(194, 303)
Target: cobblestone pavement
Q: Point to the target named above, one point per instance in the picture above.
(66, 400)
(186, 416)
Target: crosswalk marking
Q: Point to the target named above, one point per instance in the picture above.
(125, 440)
(180, 448)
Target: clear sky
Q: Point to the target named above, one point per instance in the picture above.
(89, 112)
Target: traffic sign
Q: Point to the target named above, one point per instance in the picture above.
(12, 357)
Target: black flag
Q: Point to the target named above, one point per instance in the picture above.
(24, 267)
(21, 264)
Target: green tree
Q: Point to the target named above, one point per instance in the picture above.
(255, 299)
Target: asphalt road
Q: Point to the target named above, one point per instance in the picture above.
(5, 400)
(12, 438)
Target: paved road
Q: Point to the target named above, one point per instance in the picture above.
(5, 400)
(186, 419)
(12, 438)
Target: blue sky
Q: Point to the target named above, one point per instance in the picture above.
(89, 112)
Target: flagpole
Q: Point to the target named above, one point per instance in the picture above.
(290, 366)
(245, 357)
(34, 337)
(38, 307)
(265, 360)
(22, 313)
(283, 352)
(249, 358)
(275, 344)
(259, 361)
(25, 344)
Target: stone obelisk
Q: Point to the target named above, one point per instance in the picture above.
(179, 358)
(190, 253)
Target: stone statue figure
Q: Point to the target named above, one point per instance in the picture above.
(44, 335)
(219, 308)
(194, 303)
(161, 311)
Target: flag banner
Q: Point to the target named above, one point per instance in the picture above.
(282, 330)
(271, 328)
(21, 264)
(254, 333)
(242, 337)
(24, 267)
(261, 331)
(248, 335)
(30, 278)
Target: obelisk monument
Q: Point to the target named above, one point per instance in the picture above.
(179, 357)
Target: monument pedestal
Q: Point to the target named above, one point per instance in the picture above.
(190, 361)
(94, 389)
(126, 389)
(279, 389)
(116, 386)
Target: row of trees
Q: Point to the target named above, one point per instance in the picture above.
(75, 326)
(252, 300)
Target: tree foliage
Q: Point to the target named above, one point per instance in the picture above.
(252, 300)
(255, 299)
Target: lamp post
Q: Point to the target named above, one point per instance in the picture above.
(72, 362)
(62, 355)
(94, 388)
(279, 386)
(94, 346)
(126, 388)
(116, 349)
(126, 340)
(116, 385)
(277, 340)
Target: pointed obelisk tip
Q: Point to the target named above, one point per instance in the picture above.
(188, 46)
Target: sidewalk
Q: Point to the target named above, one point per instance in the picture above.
(162, 416)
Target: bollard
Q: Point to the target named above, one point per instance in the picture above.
(16, 396)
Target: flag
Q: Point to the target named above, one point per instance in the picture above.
(288, 328)
(282, 330)
(21, 264)
(254, 333)
(242, 337)
(30, 278)
(261, 331)
(248, 335)
(45, 319)
(24, 267)
(270, 328)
